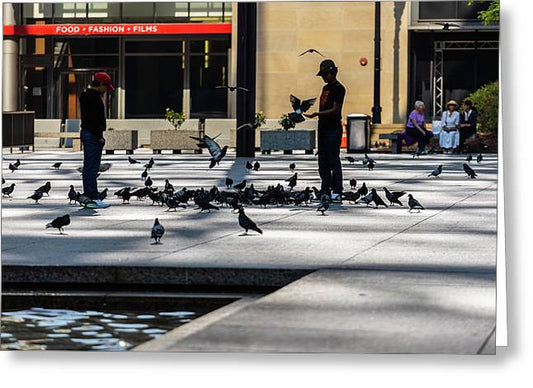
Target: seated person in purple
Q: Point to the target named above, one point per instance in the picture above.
(416, 127)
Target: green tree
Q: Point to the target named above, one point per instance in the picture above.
(491, 15)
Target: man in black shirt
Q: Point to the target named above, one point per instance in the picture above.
(93, 125)
(467, 128)
(330, 130)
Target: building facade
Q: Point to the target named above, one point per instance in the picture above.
(175, 54)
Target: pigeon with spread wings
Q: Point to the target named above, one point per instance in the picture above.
(299, 108)
(310, 51)
(216, 152)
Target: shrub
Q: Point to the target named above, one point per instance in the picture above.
(485, 100)
(176, 119)
(286, 123)
(260, 118)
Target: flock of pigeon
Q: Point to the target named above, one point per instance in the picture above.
(233, 196)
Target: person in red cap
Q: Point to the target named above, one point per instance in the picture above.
(93, 125)
(330, 130)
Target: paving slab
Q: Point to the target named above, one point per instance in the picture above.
(354, 311)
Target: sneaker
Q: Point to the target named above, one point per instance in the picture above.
(97, 204)
(335, 197)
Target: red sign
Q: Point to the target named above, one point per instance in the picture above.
(119, 29)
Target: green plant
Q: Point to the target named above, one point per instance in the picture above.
(260, 118)
(286, 123)
(176, 119)
(491, 15)
(486, 101)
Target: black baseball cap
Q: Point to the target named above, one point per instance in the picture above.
(326, 66)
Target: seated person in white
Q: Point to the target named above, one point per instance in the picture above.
(449, 134)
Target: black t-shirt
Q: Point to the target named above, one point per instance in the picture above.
(92, 112)
(333, 92)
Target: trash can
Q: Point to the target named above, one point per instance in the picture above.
(358, 128)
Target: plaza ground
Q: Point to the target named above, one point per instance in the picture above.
(357, 280)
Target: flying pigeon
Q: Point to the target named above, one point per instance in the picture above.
(246, 223)
(311, 50)
(157, 231)
(229, 183)
(232, 88)
(6, 191)
(414, 204)
(59, 223)
(469, 171)
(216, 152)
(436, 172)
(57, 165)
(299, 107)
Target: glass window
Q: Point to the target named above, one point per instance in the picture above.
(450, 10)
(227, 12)
(153, 83)
(138, 12)
(36, 11)
(207, 72)
(209, 46)
(171, 12)
(104, 12)
(162, 46)
(90, 46)
(70, 10)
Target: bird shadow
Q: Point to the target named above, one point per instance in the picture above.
(248, 235)
(86, 212)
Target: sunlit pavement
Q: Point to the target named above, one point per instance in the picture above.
(387, 280)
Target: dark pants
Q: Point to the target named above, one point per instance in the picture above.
(92, 156)
(329, 161)
(465, 133)
(423, 140)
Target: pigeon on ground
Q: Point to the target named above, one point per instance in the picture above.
(173, 203)
(169, 189)
(324, 204)
(479, 158)
(6, 191)
(378, 201)
(216, 152)
(17, 163)
(36, 196)
(414, 204)
(144, 174)
(150, 164)
(157, 231)
(469, 158)
(257, 166)
(292, 167)
(3, 181)
(59, 223)
(126, 195)
(57, 165)
(104, 167)
(299, 107)
(246, 223)
(240, 186)
(371, 165)
(72, 195)
(353, 183)
(367, 198)
(310, 51)
(229, 183)
(12, 167)
(232, 88)
(363, 190)
(469, 171)
(350, 159)
(292, 180)
(45, 189)
(249, 165)
(350, 196)
(392, 198)
(133, 161)
(140, 193)
(148, 182)
(436, 172)
(367, 160)
(103, 194)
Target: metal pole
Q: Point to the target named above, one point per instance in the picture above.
(376, 109)
(246, 69)
(10, 47)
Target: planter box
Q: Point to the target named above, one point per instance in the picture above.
(175, 140)
(126, 140)
(288, 141)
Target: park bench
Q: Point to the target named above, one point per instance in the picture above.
(75, 136)
(395, 134)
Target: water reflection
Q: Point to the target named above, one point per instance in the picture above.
(59, 329)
